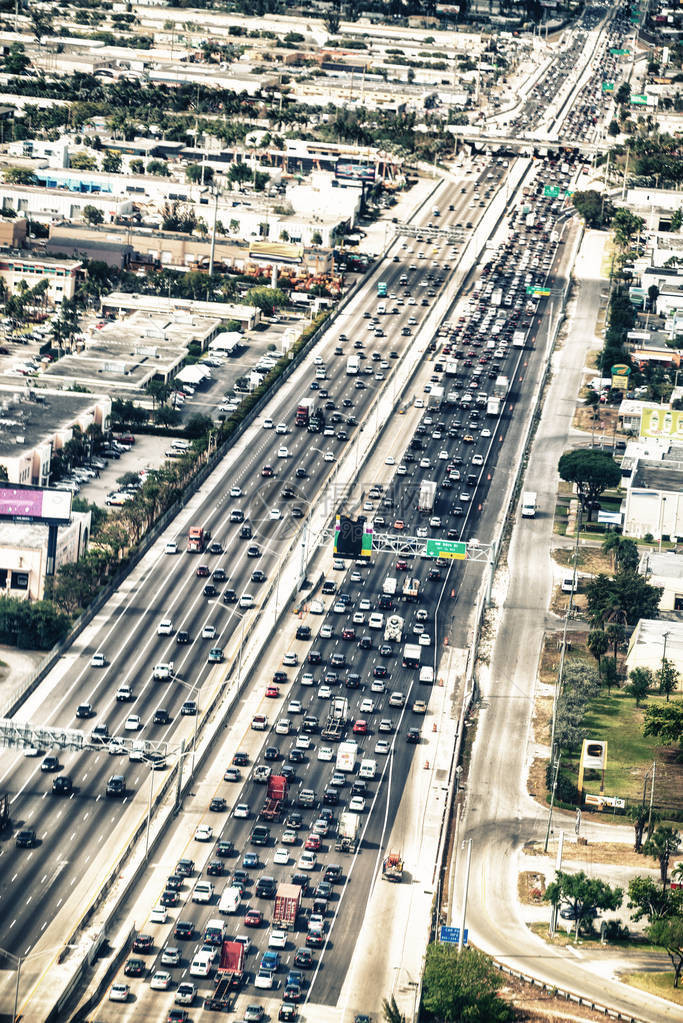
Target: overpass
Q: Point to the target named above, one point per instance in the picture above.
(525, 145)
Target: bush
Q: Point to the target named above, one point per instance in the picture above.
(566, 789)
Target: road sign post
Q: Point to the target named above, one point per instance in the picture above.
(449, 549)
(451, 935)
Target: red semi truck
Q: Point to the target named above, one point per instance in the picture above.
(196, 539)
(229, 976)
(275, 798)
(287, 903)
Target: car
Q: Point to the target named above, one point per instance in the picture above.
(85, 710)
(240, 759)
(253, 918)
(413, 736)
(215, 868)
(289, 837)
(296, 755)
(161, 981)
(307, 861)
(158, 915)
(250, 860)
(287, 1012)
(98, 660)
(294, 707)
(188, 708)
(202, 892)
(267, 471)
(275, 514)
(253, 1013)
(185, 994)
(360, 727)
(165, 627)
(281, 856)
(171, 547)
(134, 968)
(290, 659)
(313, 843)
(357, 804)
(177, 1016)
(367, 706)
(216, 655)
(277, 939)
(133, 723)
(183, 930)
(183, 637)
(218, 805)
(259, 722)
(50, 764)
(419, 707)
(63, 785)
(386, 725)
(272, 692)
(203, 833)
(282, 726)
(241, 811)
(396, 699)
(119, 992)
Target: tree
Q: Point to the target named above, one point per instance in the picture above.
(597, 643)
(16, 61)
(266, 299)
(3, 474)
(615, 633)
(626, 226)
(197, 172)
(639, 814)
(316, 238)
(647, 899)
(391, 1011)
(591, 472)
(137, 166)
(19, 176)
(641, 681)
(583, 895)
(462, 985)
(668, 933)
(238, 173)
(652, 296)
(668, 677)
(82, 161)
(333, 19)
(92, 215)
(592, 207)
(662, 846)
(623, 93)
(665, 722)
(111, 162)
(198, 425)
(158, 167)
(627, 597)
(613, 128)
(40, 21)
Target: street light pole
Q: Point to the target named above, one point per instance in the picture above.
(461, 938)
(149, 808)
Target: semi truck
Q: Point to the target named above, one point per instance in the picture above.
(451, 368)
(347, 832)
(346, 756)
(493, 406)
(197, 539)
(412, 655)
(381, 289)
(230, 973)
(352, 365)
(392, 867)
(411, 588)
(276, 796)
(286, 907)
(435, 399)
(389, 586)
(518, 339)
(337, 719)
(497, 296)
(427, 496)
(529, 504)
(393, 630)
(304, 411)
(501, 387)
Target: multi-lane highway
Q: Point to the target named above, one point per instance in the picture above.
(72, 831)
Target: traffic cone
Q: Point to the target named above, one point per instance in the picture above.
(426, 765)
(434, 727)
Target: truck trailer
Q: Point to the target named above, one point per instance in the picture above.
(286, 907)
(347, 832)
(346, 756)
(276, 798)
(427, 497)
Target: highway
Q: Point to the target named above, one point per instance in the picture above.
(169, 587)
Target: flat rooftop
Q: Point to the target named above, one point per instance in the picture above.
(160, 304)
(659, 476)
(29, 417)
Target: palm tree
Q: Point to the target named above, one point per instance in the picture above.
(391, 1011)
(611, 545)
(615, 633)
(662, 845)
(597, 643)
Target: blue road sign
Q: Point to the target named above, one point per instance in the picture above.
(451, 935)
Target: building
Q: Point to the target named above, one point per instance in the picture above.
(34, 425)
(23, 554)
(631, 413)
(61, 274)
(651, 641)
(665, 569)
(119, 301)
(654, 498)
(13, 233)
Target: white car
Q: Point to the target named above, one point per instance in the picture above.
(443, 455)
(161, 981)
(324, 692)
(303, 742)
(326, 632)
(203, 892)
(209, 632)
(357, 804)
(133, 723)
(294, 707)
(171, 547)
(235, 492)
(422, 531)
(477, 459)
(283, 452)
(425, 639)
(308, 860)
(325, 753)
(162, 671)
(267, 424)
(435, 522)
(264, 979)
(98, 661)
(275, 514)
(119, 993)
(367, 706)
(419, 403)
(328, 456)
(116, 747)
(241, 810)
(339, 607)
(203, 833)
(316, 607)
(364, 604)
(485, 432)
(377, 686)
(401, 470)
(358, 618)
(165, 627)
(158, 915)
(289, 837)
(277, 939)
(390, 460)
(307, 679)
(281, 856)
(382, 747)
(290, 659)
(282, 726)
(396, 699)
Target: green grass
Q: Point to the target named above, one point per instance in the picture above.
(561, 938)
(661, 984)
(630, 754)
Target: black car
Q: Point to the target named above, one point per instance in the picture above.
(413, 736)
(240, 759)
(303, 632)
(296, 756)
(161, 717)
(134, 968)
(266, 887)
(189, 708)
(310, 724)
(301, 473)
(380, 671)
(182, 636)
(288, 1010)
(225, 848)
(184, 867)
(303, 958)
(216, 548)
(218, 805)
(333, 873)
(297, 512)
(294, 820)
(63, 786)
(210, 590)
(25, 839)
(183, 930)
(386, 650)
(144, 943)
(303, 881)
(331, 796)
(85, 710)
(352, 680)
(169, 897)
(215, 868)
(219, 575)
(229, 596)
(253, 551)
(258, 576)
(174, 882)
(271, 753)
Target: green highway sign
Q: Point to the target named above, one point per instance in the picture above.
(620, 53)
(608, 86)
(551, 191)
(639, 101)
(536, 291)
(452, 549)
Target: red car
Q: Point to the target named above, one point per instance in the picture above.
(203, 570)
(399, 524)
(272, 691)
(348, 633)
(253, 918)
(360, 727)
(313, 842)
(401, 565)
(267, 470)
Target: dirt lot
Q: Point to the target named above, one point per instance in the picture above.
(533, 1005)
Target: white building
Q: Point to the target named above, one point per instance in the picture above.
(654, 498)
(665, 569)
(61, 274)
(651, 641)
(23, 554)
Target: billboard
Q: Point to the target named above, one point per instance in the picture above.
(276, 252)
(664, 422)
(34, 504)
(354, 171)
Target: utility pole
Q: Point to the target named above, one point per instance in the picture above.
(463, 918)
(213, 232)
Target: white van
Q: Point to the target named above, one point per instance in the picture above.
(230, 900)
(427, 674)
(214, 932)
(381, 308)
(180, 445)
(367, 769)
(201, 965)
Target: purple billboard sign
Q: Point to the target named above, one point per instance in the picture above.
(34, 503)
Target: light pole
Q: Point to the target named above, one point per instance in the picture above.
(20, 960)
(463, 918)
